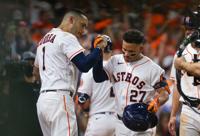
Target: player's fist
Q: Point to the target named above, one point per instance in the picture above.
(153, 105)
(101, 41)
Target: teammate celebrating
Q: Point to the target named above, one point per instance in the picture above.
(135, 78)
(58, 59)
(99, 99)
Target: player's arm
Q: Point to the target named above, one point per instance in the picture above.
(36, 73)
(85, 63)
(192, 68)
(99, 74)
(175, 107)
(161, 96)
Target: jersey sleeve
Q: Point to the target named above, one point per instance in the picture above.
(156, 74)
(70, 46)
(86, 83)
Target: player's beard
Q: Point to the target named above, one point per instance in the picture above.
(75, 31)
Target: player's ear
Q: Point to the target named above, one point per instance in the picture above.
(141, 48)
(71, 19)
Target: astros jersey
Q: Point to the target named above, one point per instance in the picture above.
(101, 94)
(53, 57)
(187, 81)
(132, 82)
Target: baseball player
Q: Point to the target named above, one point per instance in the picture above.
(135, 77)
(58, 59)
(189, 119)
(98, 98)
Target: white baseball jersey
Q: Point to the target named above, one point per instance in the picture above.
(102, 106)
(133, 82)
(53, 57)
(187, 81)
(101, 94)
(55, 109)
(189, 120)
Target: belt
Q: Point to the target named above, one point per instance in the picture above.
(119, 117)
(109, 113)
(45, 91)
(191, 104)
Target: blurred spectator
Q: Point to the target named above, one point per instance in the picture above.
(9, 50)
(37, 7)
(23, 41)
(42, 21)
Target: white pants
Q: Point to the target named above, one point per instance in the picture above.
(101, 125)
(189, 122)
(122, 130)
(56, 114)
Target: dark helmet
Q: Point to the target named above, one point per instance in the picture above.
(136, 117)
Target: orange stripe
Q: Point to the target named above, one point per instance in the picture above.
(130, 82)
(67, 114)
(76, 53)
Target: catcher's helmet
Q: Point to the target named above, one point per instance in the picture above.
(137, 118)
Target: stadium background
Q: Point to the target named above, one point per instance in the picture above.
(24, 22)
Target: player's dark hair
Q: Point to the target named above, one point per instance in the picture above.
(134, 36)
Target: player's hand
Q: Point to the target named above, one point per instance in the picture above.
(82, 99)
(178, 63)
(172, 126)
(153, 105)
(101, 41)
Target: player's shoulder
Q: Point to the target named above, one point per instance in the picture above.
(63, 33)
(117, 57)
(152, 63)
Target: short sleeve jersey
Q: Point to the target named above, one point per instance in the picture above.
(101, 94)
(133, 82)
(53, 58)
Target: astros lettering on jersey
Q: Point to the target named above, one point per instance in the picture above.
(133, 82)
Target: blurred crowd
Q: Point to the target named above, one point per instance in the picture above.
(26, 24)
